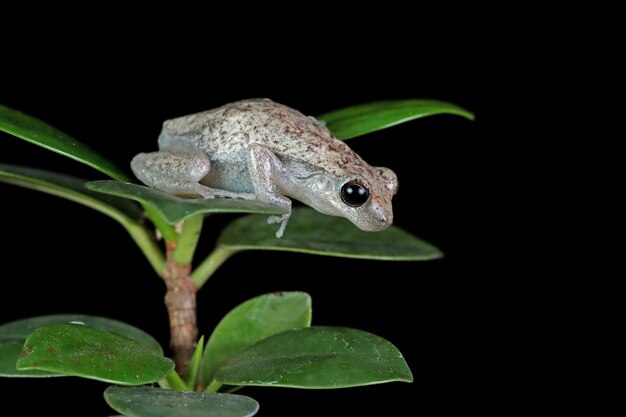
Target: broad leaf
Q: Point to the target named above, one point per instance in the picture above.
(71, 188)
(175, 209)
(316, 358)
(155, 402)
(358, 120)
(252, 321)
(14, 334)
(40, 133)
(311, 232)
(19, 330)
(9, 353)
(79, 350)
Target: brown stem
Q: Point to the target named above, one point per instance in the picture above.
(180, 300)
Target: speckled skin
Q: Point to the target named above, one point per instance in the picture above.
(261, 149)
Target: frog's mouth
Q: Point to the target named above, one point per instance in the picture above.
(375, 220)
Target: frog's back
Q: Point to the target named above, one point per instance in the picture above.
(225, 132)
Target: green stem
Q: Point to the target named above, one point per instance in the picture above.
(176, 382)
(188, 239)
(163, 383)
(142, 236)
(204, 271)
(166, 229)
(214, 386)
(191, 376)
(145, 241)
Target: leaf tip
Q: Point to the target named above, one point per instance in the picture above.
(469, 115)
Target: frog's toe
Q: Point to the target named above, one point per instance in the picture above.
(283, 223)
(277, 219)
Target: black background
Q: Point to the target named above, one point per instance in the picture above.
(440, 314)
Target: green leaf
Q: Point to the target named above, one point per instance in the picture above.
(9, 353)
(252, 321)
(358, 120)
(79, 350)
(40, 133)
(175, 209)
(19, 330)
(191, 376)
(14, 334)
(315, 358)
(311, 232)
(71, 188)
(155, 402)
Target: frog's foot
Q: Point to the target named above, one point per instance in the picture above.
(283, 223)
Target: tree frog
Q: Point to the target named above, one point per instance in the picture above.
(259, 149)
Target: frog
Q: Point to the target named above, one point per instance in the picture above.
(257, 149)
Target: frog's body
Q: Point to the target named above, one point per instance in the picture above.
(261, 149)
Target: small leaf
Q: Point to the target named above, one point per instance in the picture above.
(358, 120)
(79, 350)
(19, 330)
(315, 358)
(71, 188)
(176, 209)
(191, 376)
(155, 402)
(311, 232)
(252, 321)
(14, 334)
(9, 353)
(40, 133)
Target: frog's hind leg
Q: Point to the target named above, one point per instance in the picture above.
(179, 173)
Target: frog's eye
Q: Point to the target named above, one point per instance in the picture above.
(354, 194)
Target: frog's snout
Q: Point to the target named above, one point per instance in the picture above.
(381, 219)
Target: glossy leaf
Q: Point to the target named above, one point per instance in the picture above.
(14, 334)
(252, 321)
(19, 330)
(71, 188)
(175, 209)
(155, 402)
(40, 133)
(358, 120)
(311, 232)
(9, 353)
(316, 358)
(79, 350)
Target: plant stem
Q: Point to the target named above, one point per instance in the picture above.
(215, 259)
(186, 246)
(166, 229)
(180, 301)
(145, 241)
(142, 236)
(176, 382)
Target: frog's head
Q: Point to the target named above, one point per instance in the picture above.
(365, 200)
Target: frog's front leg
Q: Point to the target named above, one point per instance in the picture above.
(179, 172)
(265, 168)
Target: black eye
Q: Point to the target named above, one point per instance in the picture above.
(354, 194)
